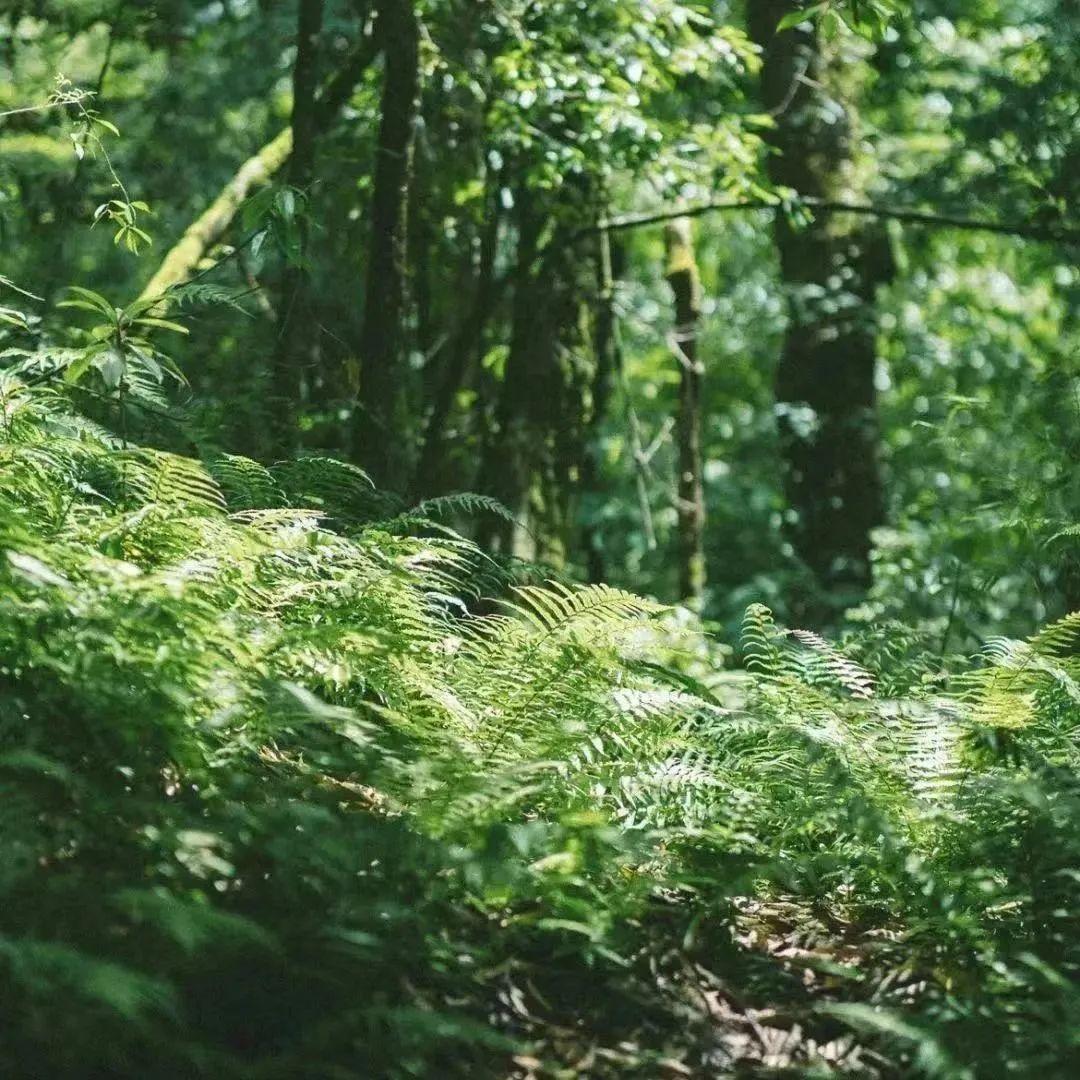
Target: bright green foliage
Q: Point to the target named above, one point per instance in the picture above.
(297, 780)
(279, 802)
(287, 760)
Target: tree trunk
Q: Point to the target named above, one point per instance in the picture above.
(465, 346)
(825, 393)
(383, 435)
(184, 257)
(684, 279)
(607, 350)
(288, 363)
(506, 463)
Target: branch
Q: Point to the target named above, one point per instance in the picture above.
(180, 263)
(1049, 234)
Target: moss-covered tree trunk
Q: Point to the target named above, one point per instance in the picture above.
(295, 330)
(383, 425)
(685, 281)
(184, 257)
(826, 400)
(208, 228)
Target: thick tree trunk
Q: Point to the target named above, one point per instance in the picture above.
(684, 279)
(826, 399)
(288, 362)
(383, 424)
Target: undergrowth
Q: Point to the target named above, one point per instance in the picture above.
(297, 783)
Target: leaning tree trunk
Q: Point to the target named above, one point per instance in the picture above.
(684, 279)
(826, 399)
(183, 259)
(294, 330)
(383, 435)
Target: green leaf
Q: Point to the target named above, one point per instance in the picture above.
(83, 305)
(78, 368)
(107, 125)
(11, 285)
(797, 18)
(96, 299)
(112, 364)
(164, 324)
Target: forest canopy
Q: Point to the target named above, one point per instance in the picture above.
(539, 538)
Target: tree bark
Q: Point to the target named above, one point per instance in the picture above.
(288, 359)
(532, 461)
(825, 393)
(465, 346)
(685, 281)
(383, 423)
(607, 350)
(505, 468)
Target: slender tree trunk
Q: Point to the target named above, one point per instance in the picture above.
(383, 425)
(607, 350)
(465, 346)
(684, 279)
(182, 260)
(422, 248)
(825, 392)
(505, 468)
(288, 362)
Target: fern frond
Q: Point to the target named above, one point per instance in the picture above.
(169, 479)
(759, 642)
(338, 488)
(245, 483)
(201, 293)
(465, 503)
(1058, 637)
(558, 607)
(852, 676)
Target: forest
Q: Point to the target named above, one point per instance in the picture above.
(539, 539)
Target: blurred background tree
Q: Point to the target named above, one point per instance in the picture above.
(411, 202)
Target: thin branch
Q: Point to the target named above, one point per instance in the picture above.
(48, 106)
(1050, 234)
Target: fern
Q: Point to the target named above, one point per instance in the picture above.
(245, 483)
(267, 726)
(759, 636)
(202, 293)
(849, 674)
(560, 608)
(462, 504)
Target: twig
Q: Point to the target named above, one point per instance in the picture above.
(1047, 233)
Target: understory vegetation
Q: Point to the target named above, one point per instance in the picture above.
(286, 794)
(539, 540)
